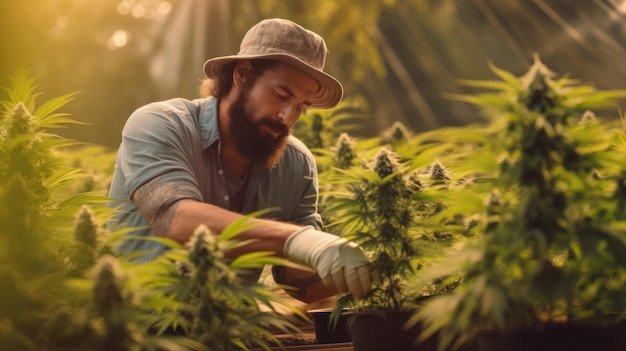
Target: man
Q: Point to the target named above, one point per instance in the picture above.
(185, 163)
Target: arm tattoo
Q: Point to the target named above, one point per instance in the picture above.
(157, 202)
(301, 285)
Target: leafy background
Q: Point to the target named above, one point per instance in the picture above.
(400, 56)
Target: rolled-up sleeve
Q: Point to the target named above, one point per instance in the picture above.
(157, 142)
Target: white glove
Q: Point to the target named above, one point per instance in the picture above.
(341, 264)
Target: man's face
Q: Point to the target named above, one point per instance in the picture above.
(266, 109)
(250, 132)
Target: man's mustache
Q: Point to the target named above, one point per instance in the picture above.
(278, 126)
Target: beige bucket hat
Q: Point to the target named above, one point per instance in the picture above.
(285, 41)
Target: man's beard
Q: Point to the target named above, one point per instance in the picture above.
(249, 138)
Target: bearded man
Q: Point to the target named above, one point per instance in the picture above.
(185, 163)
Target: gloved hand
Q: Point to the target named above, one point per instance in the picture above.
(340, 263)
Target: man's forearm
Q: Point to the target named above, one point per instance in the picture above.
(268, 235)
(178, 219)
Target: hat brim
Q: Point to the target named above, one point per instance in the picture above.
(328, 96)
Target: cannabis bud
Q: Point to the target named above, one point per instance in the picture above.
(107, 289)
(538, 94)
(19, 120)
(86, 228)
(386, 163)
(414, 183)
(344, 151)
(397, 133)
(438, 172)
(204, 254)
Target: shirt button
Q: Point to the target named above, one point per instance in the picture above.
(220, 171)
(226, 197)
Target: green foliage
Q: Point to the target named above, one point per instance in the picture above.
(186, 299)
(96, 162)
(34, 211)
(43, 240)
(553, 243)
(391, 195)
(318, 129)
(377, 213)
(63, 289)
(200, 292)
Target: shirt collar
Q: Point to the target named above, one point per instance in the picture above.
(209, 129)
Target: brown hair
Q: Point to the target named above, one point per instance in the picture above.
(223, 82)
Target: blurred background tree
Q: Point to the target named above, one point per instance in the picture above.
(399, 55)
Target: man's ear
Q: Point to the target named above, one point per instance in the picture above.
(241, 72)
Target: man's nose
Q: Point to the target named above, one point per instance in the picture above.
(287, 115)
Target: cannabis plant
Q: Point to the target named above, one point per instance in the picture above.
(60, 288)
(318, 129)
(36, 215)
(390, 210)
(553, 241)
(326, 133)
(200, 293)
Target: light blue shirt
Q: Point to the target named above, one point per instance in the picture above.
(178, 140)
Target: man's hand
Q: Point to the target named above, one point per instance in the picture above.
(341, 264)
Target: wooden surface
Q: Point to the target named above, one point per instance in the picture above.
(305, 341)
(328, 347)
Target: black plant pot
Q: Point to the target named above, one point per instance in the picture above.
(384, 331)
(325, 332)
(570, 337)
